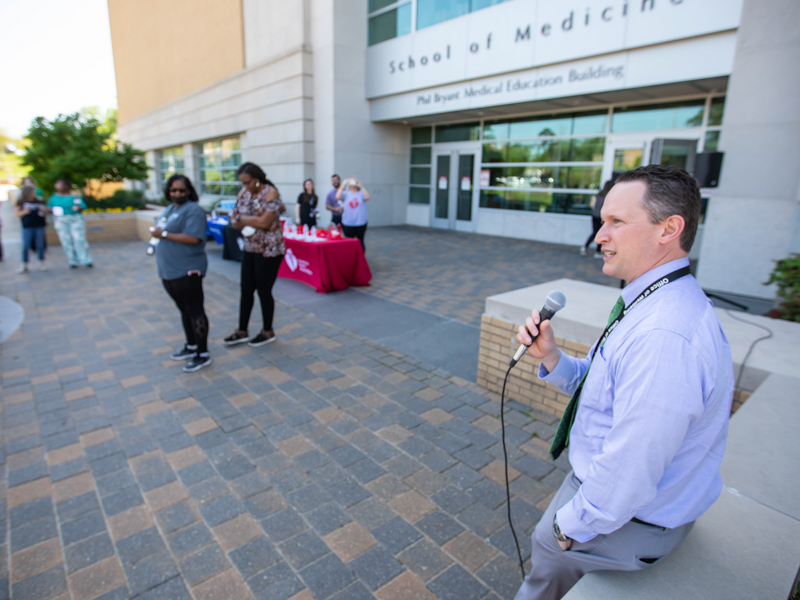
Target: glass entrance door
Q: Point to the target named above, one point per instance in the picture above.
(454, 190)
(626, 153)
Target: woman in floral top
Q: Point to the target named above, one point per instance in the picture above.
(257, 213)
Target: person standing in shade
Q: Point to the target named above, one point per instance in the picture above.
(331, 202)
(67, 209)
(597, 222)
(354, 199)
(182, 263)
(257, 214)
(307, 204)
(31, 211)
(647, 422)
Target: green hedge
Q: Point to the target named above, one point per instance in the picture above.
(133, 199)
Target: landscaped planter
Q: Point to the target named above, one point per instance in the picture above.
(103, 227)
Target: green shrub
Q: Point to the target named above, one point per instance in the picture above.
(787, 275)
(124, 199)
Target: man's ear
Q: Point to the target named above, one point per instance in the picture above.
(672, 228)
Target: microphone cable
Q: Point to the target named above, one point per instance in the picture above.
(505, 461)
(752, 344)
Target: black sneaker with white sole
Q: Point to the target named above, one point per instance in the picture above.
(237, 337)
(196, 363)
(262, 338)
(185, 354)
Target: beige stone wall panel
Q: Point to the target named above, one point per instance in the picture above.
(193, 43)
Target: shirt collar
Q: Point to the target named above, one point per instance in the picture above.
(636, 287)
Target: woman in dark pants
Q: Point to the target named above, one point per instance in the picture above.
(181, 259)
(257, 213)
(307, 204)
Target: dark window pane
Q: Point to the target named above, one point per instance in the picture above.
(679, 115)
(461, 132)
(495, 153)
(716, 111)
(390, 24)
(419, 195)
(378, 4)
(443, 188)
(430, 12)
(466, 163)
(712, 141)
(421, 156)
(421, 135)
(421, 175)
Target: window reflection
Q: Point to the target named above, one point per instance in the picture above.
(430, 12)
(390, 24)
(678, 115)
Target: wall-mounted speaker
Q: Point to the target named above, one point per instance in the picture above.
(707, 168)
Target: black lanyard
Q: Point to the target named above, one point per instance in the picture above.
(656, 285)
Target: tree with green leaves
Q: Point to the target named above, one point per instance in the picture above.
(79, 147)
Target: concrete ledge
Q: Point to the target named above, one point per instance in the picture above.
(12, 316)
(762, 460)
(102, 227)
(738, 549)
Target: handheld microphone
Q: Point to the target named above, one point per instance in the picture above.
(554, 302)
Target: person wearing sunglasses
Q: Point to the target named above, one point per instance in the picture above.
(182, 262)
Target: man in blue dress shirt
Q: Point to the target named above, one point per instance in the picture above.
(652, 416)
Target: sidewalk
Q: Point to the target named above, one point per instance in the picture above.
(325, 465)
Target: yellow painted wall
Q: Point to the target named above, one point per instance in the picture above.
(165, 49)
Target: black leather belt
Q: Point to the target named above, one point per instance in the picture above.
(635, 520)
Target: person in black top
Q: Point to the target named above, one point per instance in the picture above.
(31, 211)
(307, 202)
(597, 222)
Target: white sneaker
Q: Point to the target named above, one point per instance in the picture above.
(583, 251)
(42, 266)
(23, 269)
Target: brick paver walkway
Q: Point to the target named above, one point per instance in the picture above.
(450, 274)
(321, 466)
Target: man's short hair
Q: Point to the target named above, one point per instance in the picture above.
(670, 191)
(337, 177)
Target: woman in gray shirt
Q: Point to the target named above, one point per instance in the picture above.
(182, 263)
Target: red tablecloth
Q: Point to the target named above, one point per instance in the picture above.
(326, 265)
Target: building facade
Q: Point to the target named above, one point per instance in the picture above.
(498, 117)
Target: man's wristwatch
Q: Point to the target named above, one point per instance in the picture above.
(557, 531)
(164, 234)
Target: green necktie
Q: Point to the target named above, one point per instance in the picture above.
(561, 439)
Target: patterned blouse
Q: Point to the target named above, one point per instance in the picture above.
(267, 242)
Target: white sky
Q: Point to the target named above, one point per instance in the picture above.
(55, 58)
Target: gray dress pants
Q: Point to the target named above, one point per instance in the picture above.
(554, 571)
